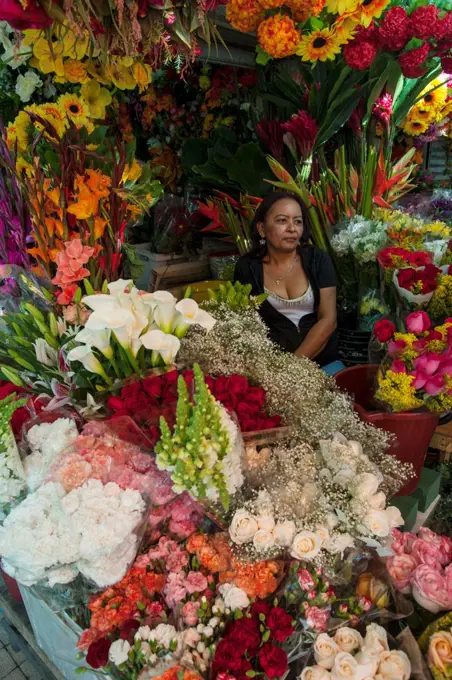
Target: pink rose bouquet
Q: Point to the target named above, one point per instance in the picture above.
(422, 567)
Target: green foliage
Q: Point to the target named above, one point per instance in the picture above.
(7, 408)
(222, 162)
(441, 520)
(236, 296)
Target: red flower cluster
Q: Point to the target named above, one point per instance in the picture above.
(304, 129)
(384, 330)
(360, 52)
(412, 62)
(419, 281)
(241, 649)
(397, 258)
(423, 22)
(393, 32)
(148, 399)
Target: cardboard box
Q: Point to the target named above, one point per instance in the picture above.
(172, 275)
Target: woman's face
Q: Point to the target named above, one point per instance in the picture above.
(283, 225)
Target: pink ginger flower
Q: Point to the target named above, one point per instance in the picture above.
(382, 109)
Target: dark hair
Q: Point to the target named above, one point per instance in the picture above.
(257, 249)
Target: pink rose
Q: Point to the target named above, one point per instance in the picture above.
(400, 568)
(448, 577)
(402, 542)
(430, 590)
(429, 536)
(418, 322)
(428, 363)
(190, 613)
(426, 553)
(195, 582)
(446, 550)
(398, 366)
(317, 618)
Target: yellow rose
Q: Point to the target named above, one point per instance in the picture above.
(440, 650)
(75, 71)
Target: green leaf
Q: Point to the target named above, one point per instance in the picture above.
(263, 58)
(250, 674)
(316, 24)
(331, 126)
(375, 92)
(266, 636)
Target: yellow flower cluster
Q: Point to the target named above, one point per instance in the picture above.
(440, 306)
(431, 107)
(68, 109)
(442, 402)
(397, 390)
(409, 353)
(407, 231)
(72, 60)
(280, 34)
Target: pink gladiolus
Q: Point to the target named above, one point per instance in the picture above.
(435, 385)
(395, 347)
(398, 366)
(418, 322)
(429, 363)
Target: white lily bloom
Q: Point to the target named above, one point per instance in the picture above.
(45, 354)
(165, 315)
(86, 357)
(163, 344)
(98, 339)
(120, 286)
(190, 313)
(135, 346)
(120, 321)
(99, 302)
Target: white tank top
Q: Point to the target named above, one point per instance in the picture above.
(294, 309)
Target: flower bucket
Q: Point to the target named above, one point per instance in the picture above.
(413, 429)
(12, 587)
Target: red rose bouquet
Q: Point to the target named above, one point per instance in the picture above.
(398, 258)
(422, 281)
(147, 400)
(251, 644)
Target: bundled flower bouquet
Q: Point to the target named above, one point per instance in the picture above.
(417, 371)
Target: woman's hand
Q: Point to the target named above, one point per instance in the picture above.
(320, 333)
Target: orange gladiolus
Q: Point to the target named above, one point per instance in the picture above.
(85, 207)
(98, 183)
(99, 227)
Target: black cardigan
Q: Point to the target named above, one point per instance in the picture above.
(319, 270)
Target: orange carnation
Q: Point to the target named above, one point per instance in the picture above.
(271, 4)
(303, 9)
(244, 15)
(278, 36)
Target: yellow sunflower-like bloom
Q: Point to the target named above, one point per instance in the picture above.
(414, 127)
(319, 45)
(341, 6)
(397, 390)
(244, 15)
(434, 95)
(18, 131)
(97, 98)
(278, 36)
(345, 30)
(371, 9)
(75, 108)
(53, 115)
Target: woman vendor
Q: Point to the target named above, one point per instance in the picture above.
(300, 281)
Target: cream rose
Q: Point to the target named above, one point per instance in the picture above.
(395, 664)
(243, 527)
(345, 666)
(348, 639)
(376, 638)
(306, 545)
(377, 522)
(367, 663)
(283, 533)
(315, 673)
(323, 534)
(365, 485)
(263, 540)
(377, 501)
(266, 522)
(394, 516)
(338, 543)
(325, 650)
(440, 650)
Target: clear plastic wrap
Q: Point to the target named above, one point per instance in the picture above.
(172, 225)
(17, 285)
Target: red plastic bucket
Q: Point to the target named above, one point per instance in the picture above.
(413, 430)
(12, 587)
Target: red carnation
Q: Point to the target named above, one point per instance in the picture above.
(98, 653)
(446, 64)
(423, 22)
(384, 330)
(443, 29)
(273, 660)
(280, 624)
(129, 629)
(359, 54)
(245, 636)
(411, 62)
(227, 658)
(393, 31)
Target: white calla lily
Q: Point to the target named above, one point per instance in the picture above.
(120, 321)
(99, 301)
(135, 346)
(190, 314)
(120, 286)
(99, 339)
(162, 344)
(165, 315)
(86, 356)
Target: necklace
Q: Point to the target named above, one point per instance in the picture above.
(281, 278)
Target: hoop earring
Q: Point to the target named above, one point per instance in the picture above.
(262, 241)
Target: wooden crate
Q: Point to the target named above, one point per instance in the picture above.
(442, 440)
